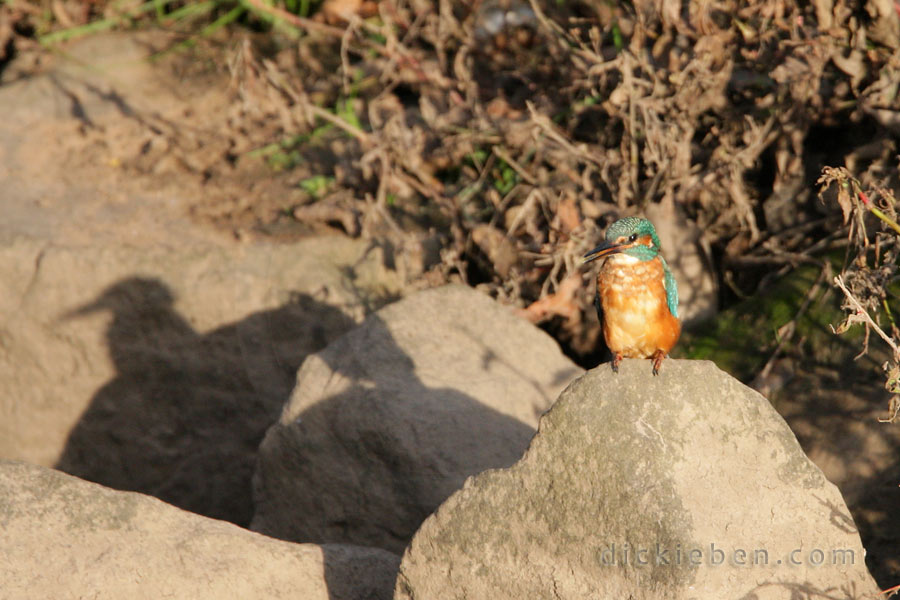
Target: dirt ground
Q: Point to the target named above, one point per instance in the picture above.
(490, 153)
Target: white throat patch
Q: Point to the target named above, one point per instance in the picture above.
(622, 259)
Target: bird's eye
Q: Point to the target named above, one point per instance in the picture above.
(632, 237)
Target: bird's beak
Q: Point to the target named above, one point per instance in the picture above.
(82, 311)
(604, 249)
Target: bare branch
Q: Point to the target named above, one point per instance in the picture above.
(861, 312)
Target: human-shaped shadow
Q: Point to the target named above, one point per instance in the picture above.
(185, 413)
(381, 449)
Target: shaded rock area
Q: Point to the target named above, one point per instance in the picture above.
(390, 419)
(834, 400)
(836, 419)
(67, 538)
(158, 369)
(138, 349)
(686, 485)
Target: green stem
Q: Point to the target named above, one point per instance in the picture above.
(890, 222)
(101, 25)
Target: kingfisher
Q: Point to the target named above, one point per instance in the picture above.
(637, 297)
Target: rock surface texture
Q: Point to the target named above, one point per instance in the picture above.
(685, 485)
(66, 538)
(159, 368)
(390, 419)
(138, 348)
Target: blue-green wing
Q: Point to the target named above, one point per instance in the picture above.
(671, 289)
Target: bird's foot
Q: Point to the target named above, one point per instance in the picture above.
(657, 357)
(617, 358)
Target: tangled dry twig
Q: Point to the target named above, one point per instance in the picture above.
(513, 131)
(870, 268)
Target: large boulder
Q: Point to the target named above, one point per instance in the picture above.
(390, 419)
(158, 368)
(139, 348)
(685, 485)
(67, 538)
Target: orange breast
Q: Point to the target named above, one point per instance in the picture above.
(636, 318)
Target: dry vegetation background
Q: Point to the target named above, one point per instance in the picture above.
(490, 142)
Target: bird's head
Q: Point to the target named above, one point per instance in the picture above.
(632, 236)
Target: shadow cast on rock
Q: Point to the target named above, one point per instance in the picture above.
(805, 591)
(369, 462)
(184, 415)
(834, 417)
(350, 575)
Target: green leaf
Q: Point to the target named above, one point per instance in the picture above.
(317, 185)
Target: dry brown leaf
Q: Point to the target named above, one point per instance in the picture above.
(845, 202)
(563, 303)
(568, 218)
(342, 11)
(327, 211)
(498, 248)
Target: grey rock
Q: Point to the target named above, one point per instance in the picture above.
(66, 538)
(390, 419)
(690, 473)
(158, 368)
(140, 348)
